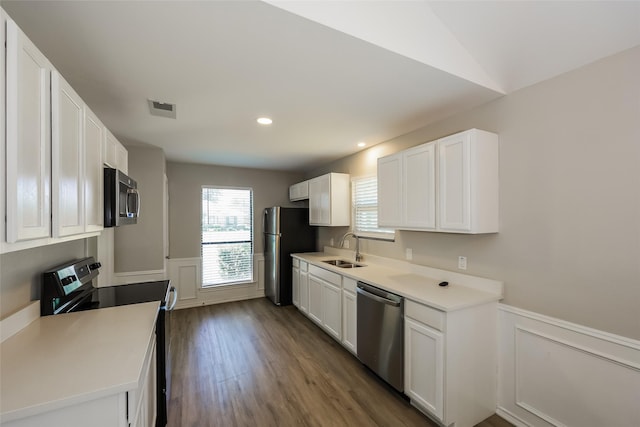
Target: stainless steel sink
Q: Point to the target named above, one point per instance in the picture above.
(342, 263)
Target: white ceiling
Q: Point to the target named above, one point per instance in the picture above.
(329, 73)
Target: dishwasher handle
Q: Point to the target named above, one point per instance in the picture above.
(377, 298)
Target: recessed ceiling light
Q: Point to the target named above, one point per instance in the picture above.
(264, 120)
(361, 144)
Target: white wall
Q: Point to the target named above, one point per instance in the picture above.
(569, 240)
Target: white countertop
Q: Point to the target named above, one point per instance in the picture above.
(417, 283)
(66, 359)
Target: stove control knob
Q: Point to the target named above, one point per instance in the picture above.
(95, 266)
(68, 280)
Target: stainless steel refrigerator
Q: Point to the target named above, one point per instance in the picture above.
(286, 231)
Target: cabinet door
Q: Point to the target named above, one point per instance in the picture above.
(319, 200)
(419, 191)
(28, 127)
(109, 149)
(349, 319)
(304, 292)
(454, 161)
(332, 309)
(122, 158)
(390, 191)
(315, 299)
(423, 366)
(93, 175)
(295, 286)
(67, 163)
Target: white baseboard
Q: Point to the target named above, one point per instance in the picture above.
(556, 373)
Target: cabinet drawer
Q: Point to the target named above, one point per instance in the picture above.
(349, 284)
(327, 275)
(304, 266)
(295, 262)
(427, 315)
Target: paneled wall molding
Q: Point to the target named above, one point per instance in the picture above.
(557, 373)
(124, 278)
(596, 333)
(186, 276)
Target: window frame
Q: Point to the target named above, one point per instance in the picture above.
(250, 280)
(385, 234)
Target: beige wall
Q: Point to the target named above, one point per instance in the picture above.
(139, 247)
(270, 188)
(569, 241)
(21, 271)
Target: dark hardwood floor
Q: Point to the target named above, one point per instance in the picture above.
(251, 363)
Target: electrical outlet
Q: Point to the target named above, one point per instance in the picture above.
(345, 244)
(462, 262)
(331, 242)
(408, 254)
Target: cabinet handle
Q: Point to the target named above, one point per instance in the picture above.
(377, 298)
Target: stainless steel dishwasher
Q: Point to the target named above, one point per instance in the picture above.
(380, 333)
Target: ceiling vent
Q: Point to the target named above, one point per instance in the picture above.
(162, 109)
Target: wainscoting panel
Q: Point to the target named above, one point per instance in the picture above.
(139, 276)
(186, 276)
(556, 373)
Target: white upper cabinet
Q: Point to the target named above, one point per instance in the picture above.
(67, 164)
(390, 191)
(114, 154)
(406, 189)
(448, 185)
(52, 151)
(330, 200)
(419, 191)
(468, 182)
(299, 191)
(28, 141)
(93, 175)
(122, 158)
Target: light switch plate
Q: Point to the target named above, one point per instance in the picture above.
(408, 254)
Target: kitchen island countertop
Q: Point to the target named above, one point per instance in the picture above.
(62, 360)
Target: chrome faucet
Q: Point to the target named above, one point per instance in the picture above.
(352, 234)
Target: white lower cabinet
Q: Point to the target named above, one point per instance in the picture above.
(424, 368)
(332, 309)
(304, 288)
(349, 315)
(295, 282)
(315, 299)
(325, 299)
(142, 401)
(134, 408)
(451, 362)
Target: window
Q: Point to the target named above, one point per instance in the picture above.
(227, 236)
(365, 209)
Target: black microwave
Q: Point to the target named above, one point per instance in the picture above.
(121, 199)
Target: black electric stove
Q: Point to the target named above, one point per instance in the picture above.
(69, 288)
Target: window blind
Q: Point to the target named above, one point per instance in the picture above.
(227, 236)
(365, 208)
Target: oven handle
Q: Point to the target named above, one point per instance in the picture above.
(175, 297)
(377, 298)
